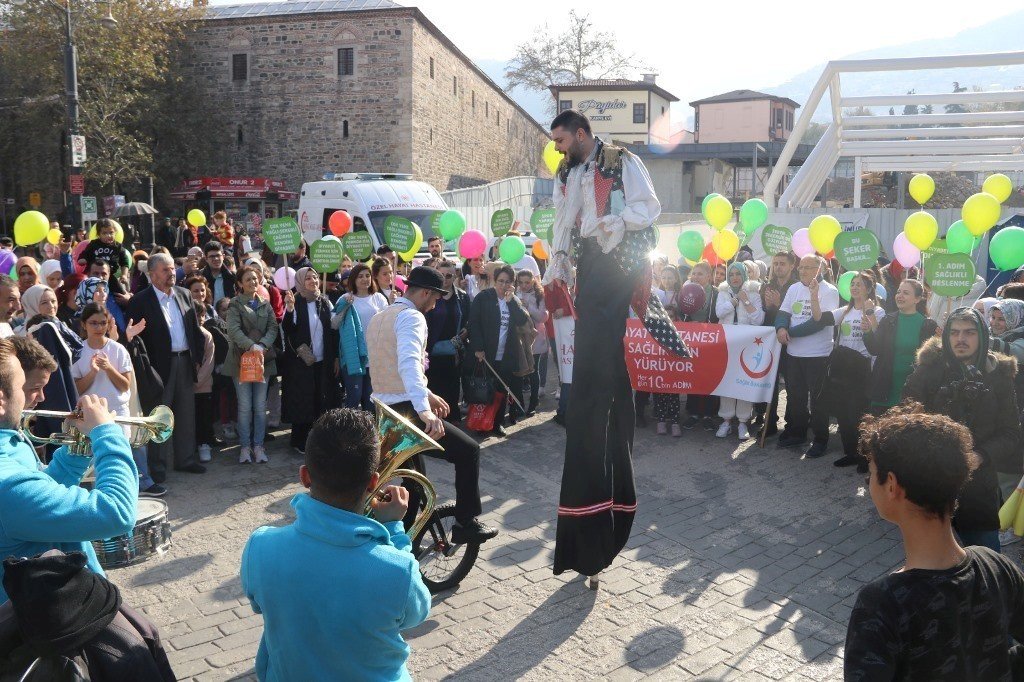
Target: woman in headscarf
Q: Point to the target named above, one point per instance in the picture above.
(26, 269)
(1006, 321)
(739, 302)
(309, 382)
(51, 274)
(984, 305)
(703, 406)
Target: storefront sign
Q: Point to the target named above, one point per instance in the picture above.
(601, 107)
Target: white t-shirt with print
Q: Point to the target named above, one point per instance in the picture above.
(850, 334)
(502, 328)
(798, 304)
(101, 384)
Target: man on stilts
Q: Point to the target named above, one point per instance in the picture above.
(604, 225)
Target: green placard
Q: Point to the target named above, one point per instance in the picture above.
(501, 221)
(435, 223)
(282, 235)
(325, 254)
(399, 233)
(357, 245)
(950, 274)
(541, 223)
(857, 250)
(937, 248)
(775, 239)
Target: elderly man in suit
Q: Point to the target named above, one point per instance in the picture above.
(175, 347)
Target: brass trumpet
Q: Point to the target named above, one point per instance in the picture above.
(155, 428)
(400, 440)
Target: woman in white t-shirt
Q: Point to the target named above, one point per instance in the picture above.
(851, 407)
(363, 301)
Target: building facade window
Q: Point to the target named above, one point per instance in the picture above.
(639, 113)
(487, 109)
(564, 104)
(789, 120)
(239, 67)
(778, 118)
(346, 61)
(472, 100)
(431, 68)
(239, 137)
(344, 128)
(455, 85)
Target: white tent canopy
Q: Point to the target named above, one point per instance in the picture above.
(974, 141)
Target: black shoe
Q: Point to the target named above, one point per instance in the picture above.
(691, 422)
(787, 442)
(191, 469)
(816, 450)
(641, 421)
(532, 412)
(862, 466)
(846, 461)
(155, 490)
(709, 424)
(499, 432)
(560, 420)
(472, 531)
(757, 423)
(158, 476)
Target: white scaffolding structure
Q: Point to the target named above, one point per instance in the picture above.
(975, 141)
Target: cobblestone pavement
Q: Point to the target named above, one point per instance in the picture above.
(743, 564)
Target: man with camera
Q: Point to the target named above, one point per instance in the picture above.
(959, 377)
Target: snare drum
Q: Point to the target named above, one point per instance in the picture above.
(151, 535)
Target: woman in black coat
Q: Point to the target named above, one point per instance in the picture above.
(494, 321)
(309, 386)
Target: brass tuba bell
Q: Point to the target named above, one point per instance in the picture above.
(400, 440)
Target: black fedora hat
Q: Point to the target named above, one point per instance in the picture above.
(427, 278)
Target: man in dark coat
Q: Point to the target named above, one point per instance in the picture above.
(447, 321)
(220, 280)
(959, 377)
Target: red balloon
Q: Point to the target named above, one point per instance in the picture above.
(339, 223)
(830, 255)
(691, 298)
(710, 256)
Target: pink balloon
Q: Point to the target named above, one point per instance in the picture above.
(472, 244)
(76, 253)
(906, 253)
(284, 278)
(802, 243)
(400, 284)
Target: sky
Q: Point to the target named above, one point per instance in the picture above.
(701, 49)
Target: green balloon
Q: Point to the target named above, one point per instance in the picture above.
(960, 240)
(845, 280)
(1006, 248)
(753, 214)
(704, 203)
(691, 245)
(451, 225)
(512, 249)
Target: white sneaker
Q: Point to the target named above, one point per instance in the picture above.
(260, 454)
(724, 430)
(742, 431)
(245, 455)
(1008, 537)
(204, 453)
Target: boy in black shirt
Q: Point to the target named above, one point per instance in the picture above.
(950, 612)
(104, 247)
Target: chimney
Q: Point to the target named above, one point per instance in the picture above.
(650, 78)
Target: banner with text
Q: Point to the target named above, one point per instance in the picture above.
(733, 361)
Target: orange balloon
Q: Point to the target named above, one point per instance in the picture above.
(539, 251)
(339, 223)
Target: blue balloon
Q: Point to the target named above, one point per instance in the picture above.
(881, 292)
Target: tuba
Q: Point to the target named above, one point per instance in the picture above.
(400, 440)
(155, 428)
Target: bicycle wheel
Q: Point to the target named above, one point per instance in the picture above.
(443, 564)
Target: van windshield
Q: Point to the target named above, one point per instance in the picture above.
(418, 216)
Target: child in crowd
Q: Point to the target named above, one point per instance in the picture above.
(106, 248)
(203, 388)
(334, 560)
(224, 389)
(950, 613)
(703, 406)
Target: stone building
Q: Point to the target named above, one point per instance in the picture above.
(303, 88)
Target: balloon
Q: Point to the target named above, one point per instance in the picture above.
(844, 284)
(76, 255)
(339, 223)
(472, 244)
(704, 203)
(718, 212)
(417, 242)
(921, 229)
(980, 212)
(960, 240)
(906, 253)
(53, 236)
(691, 298)
(725, 243)
(7, 261)
(822, 233)
(539, 252)
(30, 228)
(881, 292)
(512, 249)
(753, 214)
(922, 187)
(999, 186)
(284, 278)
(802, 243)
(552, 157)
(1006, 248)
(196, 217)
(118, 232)
(691, 244)
(451, 225)
(710, 256)
(830, 255)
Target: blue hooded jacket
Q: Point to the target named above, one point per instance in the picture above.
(335, 589)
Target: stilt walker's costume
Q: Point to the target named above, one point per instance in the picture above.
(606, 208)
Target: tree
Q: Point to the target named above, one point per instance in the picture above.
(814, 132)
(580, 52)
(910, 109)
(956, 108)
(858, 111)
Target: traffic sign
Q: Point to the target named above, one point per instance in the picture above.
(78, 150)
(35, 199)
(89, 208)
(76, 183)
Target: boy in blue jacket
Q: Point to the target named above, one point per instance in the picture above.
(336, 588)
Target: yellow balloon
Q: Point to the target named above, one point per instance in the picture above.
(196, 218)
(725, 244)
(118, 232)
(922, 187)
(822, 232)
(53, 236)
(552, 157)
(30, 228)
(999, 186)
(718, 213)
(921, 229)
(980, 213)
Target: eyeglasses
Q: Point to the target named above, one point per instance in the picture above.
(97, 323)
(447, 277)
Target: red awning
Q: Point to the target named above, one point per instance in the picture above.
(233, 188)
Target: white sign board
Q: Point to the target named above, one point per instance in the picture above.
(78, 150)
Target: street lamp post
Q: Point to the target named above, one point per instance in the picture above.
(71, 96)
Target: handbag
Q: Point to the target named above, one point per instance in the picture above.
(478, 387)
(844, 368)
(481, 416)
(250, 367)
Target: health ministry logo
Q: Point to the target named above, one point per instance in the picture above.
(757, 359)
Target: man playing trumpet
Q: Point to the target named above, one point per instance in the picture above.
(42, 507)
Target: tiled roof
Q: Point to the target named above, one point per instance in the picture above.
(264, 9)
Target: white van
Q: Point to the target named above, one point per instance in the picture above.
(369, 198)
